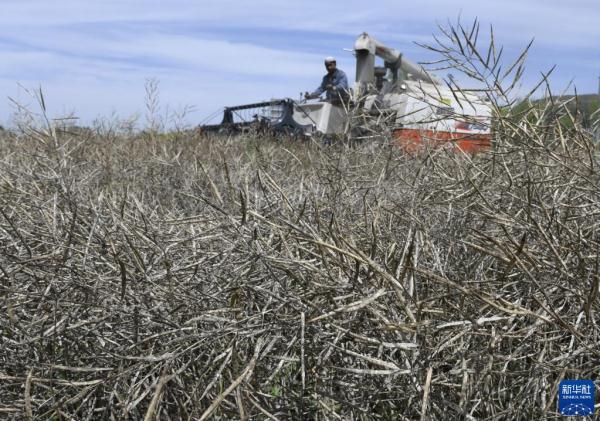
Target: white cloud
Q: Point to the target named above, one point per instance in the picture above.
(549, 20)
(94, 56)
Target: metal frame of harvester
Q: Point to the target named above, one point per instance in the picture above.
(400, 97)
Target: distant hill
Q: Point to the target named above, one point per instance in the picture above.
(585, 107)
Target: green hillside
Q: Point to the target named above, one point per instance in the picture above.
(584, 108)
(584, 105)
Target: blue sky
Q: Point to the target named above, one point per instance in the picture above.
(92, 58)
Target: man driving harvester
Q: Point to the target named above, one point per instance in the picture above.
(334, 83)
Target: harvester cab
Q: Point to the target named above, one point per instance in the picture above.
(399, 97)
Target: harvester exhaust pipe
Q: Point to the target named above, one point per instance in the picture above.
(365, 50)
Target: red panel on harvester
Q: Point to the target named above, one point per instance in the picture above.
(413, 140)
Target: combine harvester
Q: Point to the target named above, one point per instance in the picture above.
(399, 97)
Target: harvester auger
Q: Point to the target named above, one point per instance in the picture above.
(399, 97)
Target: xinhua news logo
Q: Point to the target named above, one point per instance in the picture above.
(576, 397)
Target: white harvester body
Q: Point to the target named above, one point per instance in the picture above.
(419, 107)
(400, 97)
